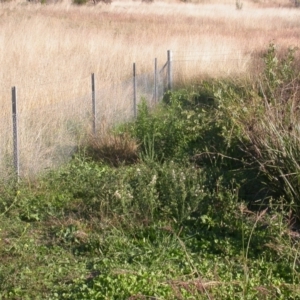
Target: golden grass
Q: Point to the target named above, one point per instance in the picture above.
(49, 51)
(114, 149)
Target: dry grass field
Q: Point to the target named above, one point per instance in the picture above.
(49, 51)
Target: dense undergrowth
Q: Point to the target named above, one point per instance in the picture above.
(197, 199)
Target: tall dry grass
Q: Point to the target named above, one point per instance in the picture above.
(49, 51)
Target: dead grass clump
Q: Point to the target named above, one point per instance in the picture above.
(194, 287)
(115, 149)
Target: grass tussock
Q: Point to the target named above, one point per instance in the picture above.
(268, 117)
(112, 148)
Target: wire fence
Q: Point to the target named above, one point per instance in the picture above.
(46, 134)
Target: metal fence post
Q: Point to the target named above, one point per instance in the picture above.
(170, 79)
(15, 132)
(93, 103)
(155, 80)
(134, 91)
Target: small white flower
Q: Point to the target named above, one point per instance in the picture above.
(173, 174)
(153, 181)
(182, 176)
(117, 194)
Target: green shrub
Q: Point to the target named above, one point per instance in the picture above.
(176, 127)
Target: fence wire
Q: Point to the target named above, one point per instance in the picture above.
(6, 149)
(50, 134)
